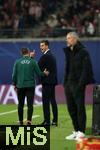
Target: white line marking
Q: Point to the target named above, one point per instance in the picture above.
(9, 112)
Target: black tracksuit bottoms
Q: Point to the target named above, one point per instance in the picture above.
(76, 106)
(27, 92)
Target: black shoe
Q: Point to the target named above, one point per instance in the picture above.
(44, 123)
(20, 122)
(29, 123)
(54, 123)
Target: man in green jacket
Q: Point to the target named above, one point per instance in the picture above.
(23, 78)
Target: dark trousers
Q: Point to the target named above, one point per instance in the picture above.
(76, 106)
(29, 93)
(48, 96)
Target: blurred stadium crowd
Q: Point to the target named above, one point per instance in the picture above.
(49, 18)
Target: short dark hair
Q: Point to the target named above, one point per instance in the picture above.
(45, 41)
(24, 51)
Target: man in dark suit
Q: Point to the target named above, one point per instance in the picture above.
(48, 61)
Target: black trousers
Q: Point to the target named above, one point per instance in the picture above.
(76, 106)
(48, 96)
(29, 93)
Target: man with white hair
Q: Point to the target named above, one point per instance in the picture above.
(78, 73)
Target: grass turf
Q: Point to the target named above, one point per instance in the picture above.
(57, 134)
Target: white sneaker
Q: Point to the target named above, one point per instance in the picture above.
(79, 135)
(72, 136)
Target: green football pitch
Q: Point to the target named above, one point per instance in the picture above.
(8, 116)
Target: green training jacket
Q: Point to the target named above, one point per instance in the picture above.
(24, 71)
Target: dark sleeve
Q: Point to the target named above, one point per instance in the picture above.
(66, 68)
(37, 69)
(42, 62)
(86, 69)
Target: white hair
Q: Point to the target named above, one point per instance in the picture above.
(74, 34)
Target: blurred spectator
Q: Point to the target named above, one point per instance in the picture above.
(38, 11)
(17, 16)
(7, 26)
(52, 21)
(97, 22)
(32, 8)
(15, 25)
(88, 28)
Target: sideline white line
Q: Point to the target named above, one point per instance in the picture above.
(9, 112)
(12, 111)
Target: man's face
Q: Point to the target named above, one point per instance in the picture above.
(43, 47)
(71, 40)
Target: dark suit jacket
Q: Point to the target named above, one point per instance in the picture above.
(48, 61)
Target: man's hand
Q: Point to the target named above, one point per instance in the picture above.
(15, 88)
(46, 72)
(32, 54)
